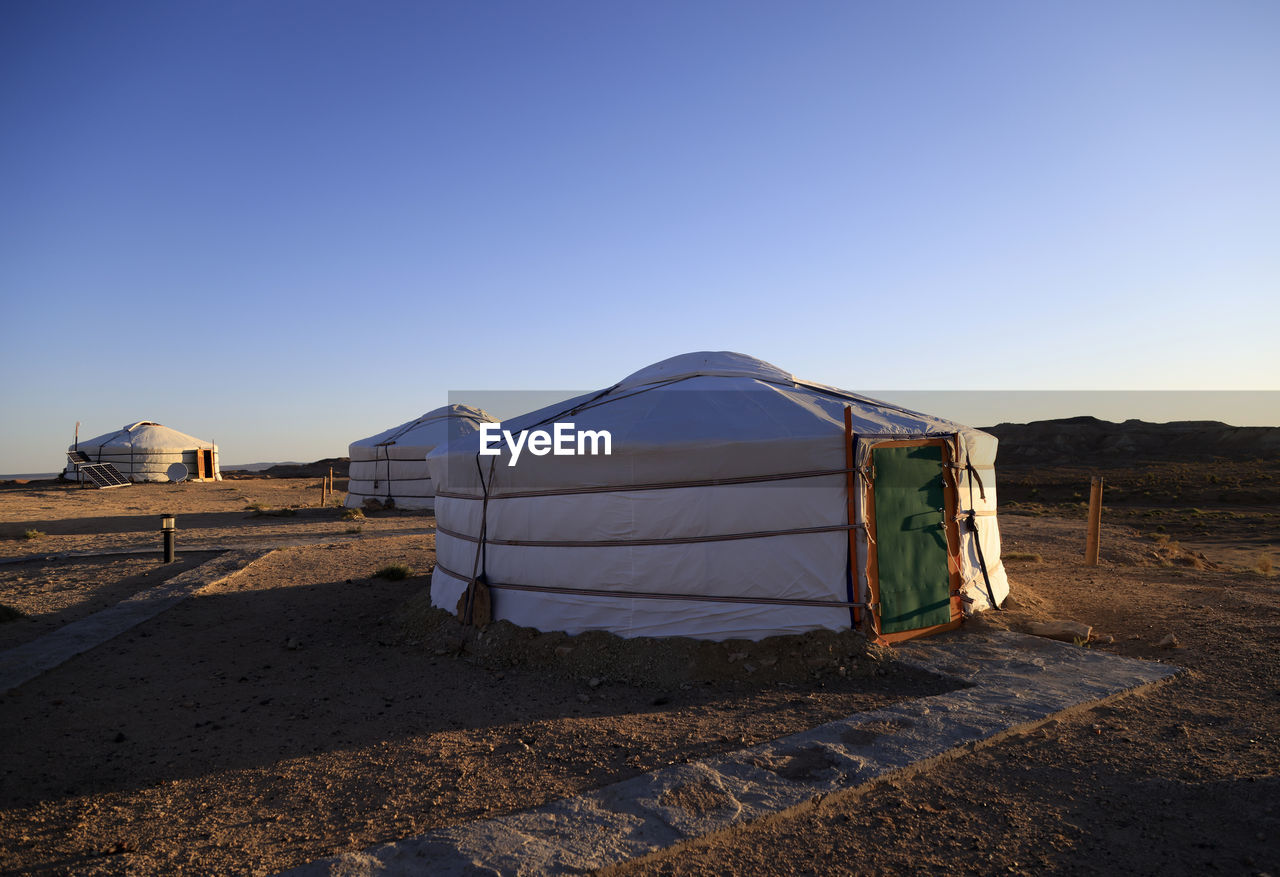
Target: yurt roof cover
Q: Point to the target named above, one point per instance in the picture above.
(147, 434)
(409, 433)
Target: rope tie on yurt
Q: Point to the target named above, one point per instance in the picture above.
(669, 540)
(102, 444)
(386, 448)
(982, 491)
(595, 401)
(834, 393)
(851, 518)
(660, 595)
(971, 523)
(475, 606)
(868, 479)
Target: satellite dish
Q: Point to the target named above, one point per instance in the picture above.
(177, 472)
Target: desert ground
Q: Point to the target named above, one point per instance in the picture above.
(314, 704)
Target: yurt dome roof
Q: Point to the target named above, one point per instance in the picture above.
(720, 363)
(428, 430)
(146, 434)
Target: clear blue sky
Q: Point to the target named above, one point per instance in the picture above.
(288, 225)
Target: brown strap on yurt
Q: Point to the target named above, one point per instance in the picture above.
(475, 607)
(652, 485)
(668, 540)
(656, 595)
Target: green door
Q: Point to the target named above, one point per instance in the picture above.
(911, 538)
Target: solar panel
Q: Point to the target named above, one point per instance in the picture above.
(102, 475)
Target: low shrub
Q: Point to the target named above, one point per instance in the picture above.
(394, 572)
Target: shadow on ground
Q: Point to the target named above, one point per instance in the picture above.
(245, 680)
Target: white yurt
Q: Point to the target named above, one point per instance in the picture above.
(735, 501)
(148, 451)
(391, 466)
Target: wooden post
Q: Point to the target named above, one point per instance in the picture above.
(1095, 522)
(324, 486)
(331, 490)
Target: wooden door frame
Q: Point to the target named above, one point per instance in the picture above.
(950, 497)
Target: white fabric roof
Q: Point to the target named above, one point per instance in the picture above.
(413, 438)
(699, 416)
(717, 364)
(145, 434)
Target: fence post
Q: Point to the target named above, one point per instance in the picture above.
(1095, 522)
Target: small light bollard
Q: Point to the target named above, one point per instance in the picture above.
(168, 529)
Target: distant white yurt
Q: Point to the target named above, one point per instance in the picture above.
(147, 451)
(391, 466)
(735, 501)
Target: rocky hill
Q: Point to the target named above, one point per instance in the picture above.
(1100, 442)
(1069, 441)
(294, 470)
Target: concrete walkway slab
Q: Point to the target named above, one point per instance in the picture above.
(27, 661)
(243, 543)
(1011, 682)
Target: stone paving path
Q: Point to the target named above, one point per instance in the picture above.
(190, 546)
(1011, 682)
(27, 661)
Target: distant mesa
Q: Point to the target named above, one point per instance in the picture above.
(1046, 442)
(289, 469)
(1100, 442)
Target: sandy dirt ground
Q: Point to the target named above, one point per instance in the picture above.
(299, 709)
(1181, 779)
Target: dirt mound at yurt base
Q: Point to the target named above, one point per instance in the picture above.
(647, 661)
